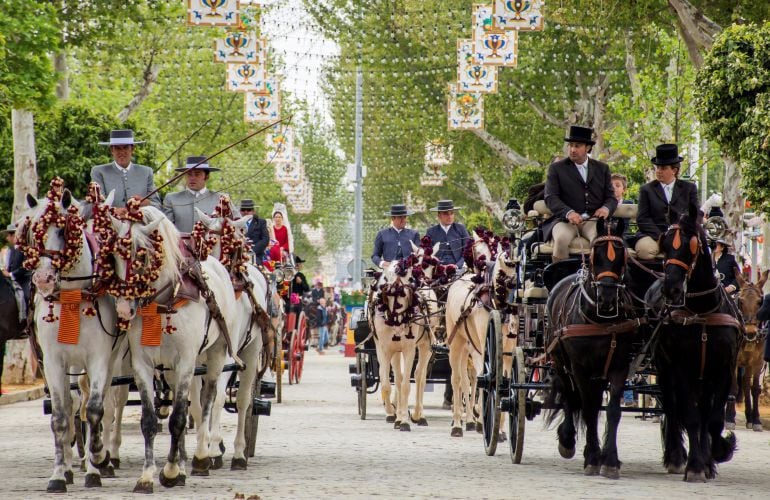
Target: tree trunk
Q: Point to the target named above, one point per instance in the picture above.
(486, 197)
(63, 85)
(734, 203)
(506, 153)
(697, 30)
(151, 73)
(19, 367)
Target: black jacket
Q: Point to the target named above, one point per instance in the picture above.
(565, 190)
(16, 267)
(656, 214)
(728, 267)
(259, 236)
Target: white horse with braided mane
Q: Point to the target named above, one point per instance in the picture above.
(469, 301)
(252, 321)
(135, 255)
(52, 237)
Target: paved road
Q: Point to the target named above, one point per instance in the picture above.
(315, 446)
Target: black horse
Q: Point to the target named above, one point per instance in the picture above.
(10, 327)
(592, 331)
(695, 352)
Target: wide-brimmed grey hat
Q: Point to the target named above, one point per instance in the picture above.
(445, 206)
(121, 138)
(197, 163)
(10, 229)
(399, 210)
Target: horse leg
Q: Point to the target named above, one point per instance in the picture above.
(99, 456)
(609, 457)
(674, 454)
(143, 376)
(756, 389)
(691, 414)
(384, 356)
(420, 377)
(248, 377)
(173, 472)
(107, 429)
(61, 410)
(467, 397)
(731, 400)
(591, 394)
(458, 356)
(476, 368)
(120, 398)
(404, 388)
(201, 463)
(216, 446)
(718, 448)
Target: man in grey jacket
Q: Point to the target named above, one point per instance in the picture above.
(126, 178)
(180, 206)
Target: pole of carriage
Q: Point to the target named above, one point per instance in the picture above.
(359, 215)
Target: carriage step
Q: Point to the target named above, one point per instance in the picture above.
(258, 407)
(267, 389)
(352, 368)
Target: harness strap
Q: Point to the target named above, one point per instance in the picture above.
(705, 320)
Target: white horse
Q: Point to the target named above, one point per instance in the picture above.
(247, 335)
(71, 337)
(395, 340)
(149, 266)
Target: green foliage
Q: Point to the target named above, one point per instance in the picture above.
(734, 91)
(28, 35)
(523, 178)
(480, 218)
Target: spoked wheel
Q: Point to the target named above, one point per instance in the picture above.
(278, 366)
(518, 401)
(297, 350)
(490, 389)
(252, 421)
(361, 389)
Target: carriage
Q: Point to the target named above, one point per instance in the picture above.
(292, 341)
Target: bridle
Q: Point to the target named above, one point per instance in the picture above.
(754, 333)
(695, 249)
(596, 279)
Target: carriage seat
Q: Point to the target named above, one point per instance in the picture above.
(534, 292)
(578, 246)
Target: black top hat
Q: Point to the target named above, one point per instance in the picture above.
(298, 259)
(247, 204)
(197, 163)
(580, 134)
(666, 154)
(398, 210)
(445, 206)
(121, 138)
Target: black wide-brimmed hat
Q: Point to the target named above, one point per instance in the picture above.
(445, 206)
(197, 163)
(247, 204)
(398, 210)
(298, 259)
(580, 134)
(121, 138)
(666, 154)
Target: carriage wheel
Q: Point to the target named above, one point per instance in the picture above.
(490, 392)
(298, 349)
(278, 366)
(252, 421)
(517, 415)
(361, 389)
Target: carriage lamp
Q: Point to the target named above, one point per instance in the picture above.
(716, 227)
(514, 220)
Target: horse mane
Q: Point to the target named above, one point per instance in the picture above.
(172, 254)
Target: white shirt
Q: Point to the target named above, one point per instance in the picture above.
(668, 189)
(397, 229)
(446, 228)
(583, 169)
(198, 193)
(124, 171)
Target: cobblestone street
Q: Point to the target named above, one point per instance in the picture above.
(315, 446)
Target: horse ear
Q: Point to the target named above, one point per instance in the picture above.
(476, 237)
(435, 249)
(763, 279)
(620, 227)
(241, 223)
(741, 280)
(203, 217)
(415, 248)
(31, 201)
(151, 226)
(110, 198)
(600, 226)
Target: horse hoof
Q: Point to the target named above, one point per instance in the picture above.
(566, 452)
(390, 419)
(749, 426)
(181, 480)
(69, 477)
(56, 486)
(168, 482)
(675, 469)
(397, 424)
(108, 472)
(238, 464)
(610, 472)
(502, 437)
(457, 432)
(115, 462)
(422, 422)
(93, 481)
(143, 487)
(757, 428)
(479, 428)
(470, 426)
(104, 463)
(729, 426)
(591, 470)
(200, 466)
(404, 427)
(695, 477)
(217, 462)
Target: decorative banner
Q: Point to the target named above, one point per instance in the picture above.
(432, 177)
(437, 153)
(414, 204)
(314, 235)
(263, 106)
(465, 109)
(280, 144)
(240, 47)
(472, 75)
(524, 15)
(290, 173)
(212, 13)
(492, 45)
(246, 77)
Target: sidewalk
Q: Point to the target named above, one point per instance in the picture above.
(15, 393)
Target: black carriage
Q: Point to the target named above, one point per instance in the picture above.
(523, 394)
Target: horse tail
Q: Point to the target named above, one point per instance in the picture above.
(723, 447)
(562, 394)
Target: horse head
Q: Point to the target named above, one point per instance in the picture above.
(397, 291)
(51, 238)
(749, 300)
(425, 258)
(608, 267)
(685, 249)
(222, 236)
(147, 259)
